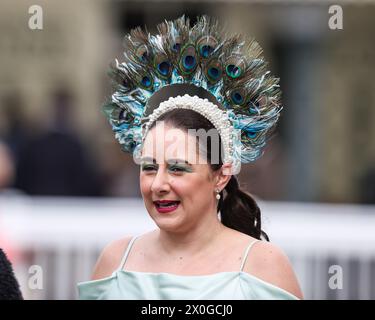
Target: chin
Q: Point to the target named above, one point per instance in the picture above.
(167, 221)
(170, 224)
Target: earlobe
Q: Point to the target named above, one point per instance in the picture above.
(222, 179)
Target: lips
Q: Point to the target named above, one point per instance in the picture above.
(165, 206)
(166, 203)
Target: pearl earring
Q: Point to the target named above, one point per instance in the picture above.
(217, 194)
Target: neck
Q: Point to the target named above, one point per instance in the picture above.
(194, 240)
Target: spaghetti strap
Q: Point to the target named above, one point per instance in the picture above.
(123, 260)
(246, 253)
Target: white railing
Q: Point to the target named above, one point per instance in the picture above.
(65, 236)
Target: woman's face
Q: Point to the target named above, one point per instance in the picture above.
(175, 172)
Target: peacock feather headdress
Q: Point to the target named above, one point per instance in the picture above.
(223, 77)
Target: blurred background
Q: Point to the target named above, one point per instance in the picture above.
(66, 189)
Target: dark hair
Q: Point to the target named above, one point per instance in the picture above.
(238, 209)
(9, 287)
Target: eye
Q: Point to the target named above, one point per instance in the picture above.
(176, 169)
(148, 168)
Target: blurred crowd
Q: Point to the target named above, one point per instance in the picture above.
(53, 160)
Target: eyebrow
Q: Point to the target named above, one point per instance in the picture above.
(148, 159)
(173, 160)
(176, 160)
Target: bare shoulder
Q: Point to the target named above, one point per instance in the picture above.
(269, 263)
(110, 258)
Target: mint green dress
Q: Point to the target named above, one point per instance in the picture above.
(130, 285)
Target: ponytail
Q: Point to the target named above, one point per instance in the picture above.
(239, 211)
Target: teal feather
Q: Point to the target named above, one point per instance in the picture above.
(232, 68)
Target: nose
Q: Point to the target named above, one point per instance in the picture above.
(160, 184)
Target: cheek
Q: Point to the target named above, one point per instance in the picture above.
(145, 184)
(186, 187)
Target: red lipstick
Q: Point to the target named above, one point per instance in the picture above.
(165, 206)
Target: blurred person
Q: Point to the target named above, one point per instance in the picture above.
(119, 173)
(6, 167)
(17, 127)
(367, 186)
(207, 245)
(55, 162)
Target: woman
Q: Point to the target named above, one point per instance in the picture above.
(207, 245)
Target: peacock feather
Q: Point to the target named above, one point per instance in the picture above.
(230, 67)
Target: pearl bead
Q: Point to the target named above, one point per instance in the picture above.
(219, 118)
